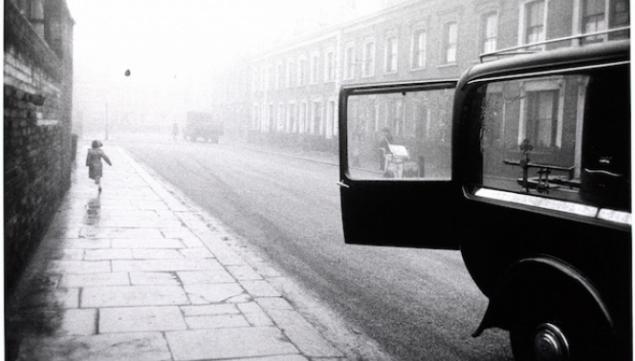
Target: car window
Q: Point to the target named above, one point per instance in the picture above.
(400, 136)
(557, 142)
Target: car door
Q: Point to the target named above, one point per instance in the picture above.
(396, 181)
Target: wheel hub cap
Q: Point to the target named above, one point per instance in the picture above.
(550, 344)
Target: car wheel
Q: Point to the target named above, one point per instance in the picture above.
(561, 326)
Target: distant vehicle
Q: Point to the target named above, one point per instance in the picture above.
(528, 174)
(199, 125)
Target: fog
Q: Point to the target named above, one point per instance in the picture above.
(176, 51)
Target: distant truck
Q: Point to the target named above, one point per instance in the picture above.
(202, 125)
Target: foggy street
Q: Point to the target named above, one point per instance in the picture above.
(172, 186)
(417, 304)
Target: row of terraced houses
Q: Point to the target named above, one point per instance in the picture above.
(293, 88)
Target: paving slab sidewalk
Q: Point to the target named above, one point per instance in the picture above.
(135, 273)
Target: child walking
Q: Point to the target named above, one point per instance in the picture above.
(93, 162)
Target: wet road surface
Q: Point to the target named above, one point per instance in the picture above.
(417, 304)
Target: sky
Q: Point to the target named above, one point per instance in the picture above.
(174, 47)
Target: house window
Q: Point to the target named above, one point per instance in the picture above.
(329, 67)
(263, 79)
(349, 54)
(302, 72)
(619, 13)
(593, 19)
(619, 16)
(396, 121)
(391, 54)
(272, 77)
(303, 117)
(541, 117)
(271, 119)
(451, 37)
(292, 123)
(419, 49)
(280, 76)
(316, 121)
(489, 32)
(291, 73)
(255, 125)
(534, 21)
(368, 67)
(330, 119)
(281, 117)
(315, 69)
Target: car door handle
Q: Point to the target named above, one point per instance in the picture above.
(601, 171)
(342, 184)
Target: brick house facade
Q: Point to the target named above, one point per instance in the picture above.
(423, 39)
(37, 123)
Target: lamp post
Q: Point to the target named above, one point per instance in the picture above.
(106, 122)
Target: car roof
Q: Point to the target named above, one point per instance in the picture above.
(552, 59)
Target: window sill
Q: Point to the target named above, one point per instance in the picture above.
(447, 65)
(418, 68)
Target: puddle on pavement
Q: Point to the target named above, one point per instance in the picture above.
(93, 209)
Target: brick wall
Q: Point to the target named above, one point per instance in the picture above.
(37, 142)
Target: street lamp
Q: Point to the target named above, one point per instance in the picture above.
(106, 122)
(126, 73)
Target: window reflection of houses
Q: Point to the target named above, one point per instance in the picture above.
(545, 114)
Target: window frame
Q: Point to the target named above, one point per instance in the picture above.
(388, 53)
(291, 115)
(302, 68)
(522, 23)
(274, 76)
(280, 73)
(271, 115)
(415, 49)
(368, 72)
(314, 67)
(535, 85)
(303, 115)
(263, 78)
(281, 117)
(447, 44)
(291, 72)
(580, 26)
(255, 117)
(329, 65)
(319, 102)
(349, 61)
(483, 30)
(330, 118)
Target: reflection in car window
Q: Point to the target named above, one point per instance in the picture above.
(544, 137)
(401, 135)
(531, 135)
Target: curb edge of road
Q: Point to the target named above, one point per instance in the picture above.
(353, 343)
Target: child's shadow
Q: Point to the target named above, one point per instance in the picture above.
(93, 209)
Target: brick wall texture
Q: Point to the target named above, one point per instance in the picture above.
(37, 139)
